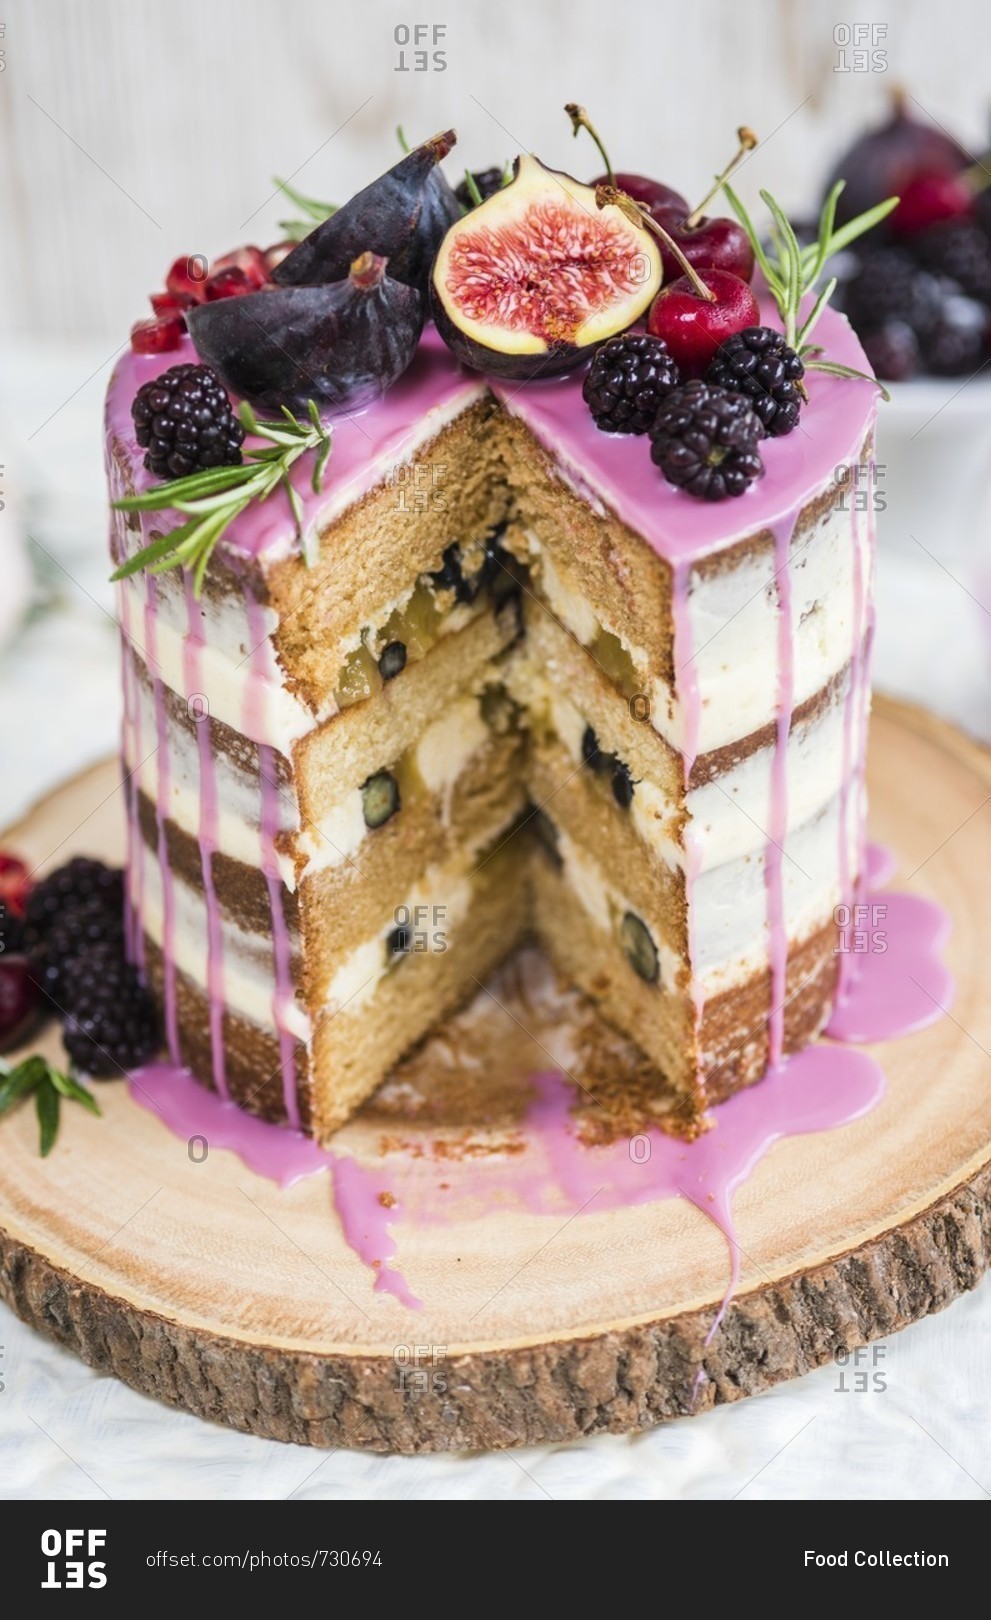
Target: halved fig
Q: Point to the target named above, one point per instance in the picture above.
(402, 215)
(341, 346)
(537, 276)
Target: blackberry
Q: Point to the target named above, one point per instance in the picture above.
(80, 880)
(889, 286)
(110, 1021)
(893, 351)
(72, 933)
(184, 420)
(961, 250)
(488, 181)
(705, 441)
(954, 348)
(627, 380)
(759, 363)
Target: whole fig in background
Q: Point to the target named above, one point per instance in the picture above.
(340, 345)
(402, 216)
(537, 276)
(882, 162)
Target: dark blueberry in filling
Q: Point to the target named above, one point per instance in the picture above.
(641, 952)
(379, 798)
(393, 660)
(622, 784)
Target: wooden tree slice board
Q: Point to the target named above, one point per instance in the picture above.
(207, 1286)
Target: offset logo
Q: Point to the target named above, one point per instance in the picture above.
(72, 1561)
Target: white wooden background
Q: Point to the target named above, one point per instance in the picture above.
(136, 129)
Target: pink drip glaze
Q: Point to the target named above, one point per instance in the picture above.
(852, 704)
(777, 930)
(821, 1088)
(163, 778)
(192, 661)
(130, 745)
(283, 1156)
(366, 444)
(880, 866)
(898, 982)
(269, 823)
(615, 468)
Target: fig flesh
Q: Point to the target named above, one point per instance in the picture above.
(341, 345)
(402, 216)
(537, 276)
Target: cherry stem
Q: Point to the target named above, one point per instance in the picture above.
(639, 214)
(747, 140)
(580, 120)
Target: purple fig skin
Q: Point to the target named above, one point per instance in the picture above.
(402, 215)
(341, 346)
(881, 162)
(553, 362)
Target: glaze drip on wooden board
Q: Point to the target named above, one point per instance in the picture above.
(825, 1086)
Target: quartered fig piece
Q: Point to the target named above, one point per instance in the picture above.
(402, 216)
(341, 345)
(532, 280)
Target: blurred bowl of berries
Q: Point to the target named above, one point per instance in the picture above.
(917, 291)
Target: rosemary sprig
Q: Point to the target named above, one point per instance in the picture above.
(212, 499)
(35, 1076)
(312, 212)
(792, 272)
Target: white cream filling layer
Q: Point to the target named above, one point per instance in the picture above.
(236, 681)
(437, 905)
(728, 904)
(247, 974)
(730, 814)
(732, 616)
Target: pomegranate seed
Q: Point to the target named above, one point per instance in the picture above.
(164, 303)
(157, 334)
(276, 253)
(250, 260)
(186, 279)
(15, 885)
(230, 283)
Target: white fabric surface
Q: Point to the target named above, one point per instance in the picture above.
(67, 1432)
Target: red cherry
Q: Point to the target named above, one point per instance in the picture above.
(15, 885)
(656, 196)
(930, 198)
(693, 327)
(712, 244)
(249, 260)
(158, 334)
(228, 283)
(187, 278)
(19, 1001)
